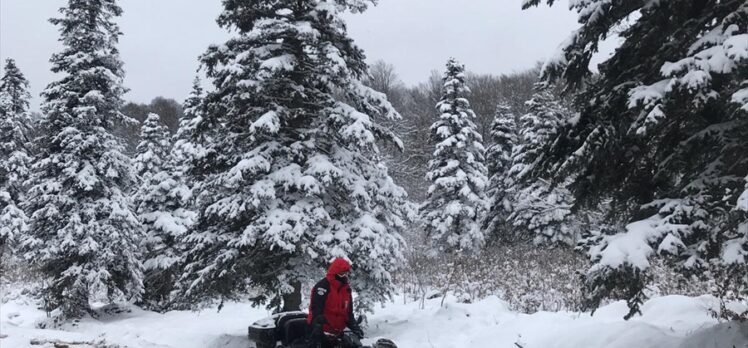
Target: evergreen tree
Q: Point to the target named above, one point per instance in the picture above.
(15, 89)
(14, 154)
(665, 125)
(539, 128)
(290, 174)
(164, 204)
(456, 198)
(540, 210)
(498, 163)
(503, 139)
(82, 233)
(153, 148)
(159, 202)
(187, 144)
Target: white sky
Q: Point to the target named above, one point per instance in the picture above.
(162, 38)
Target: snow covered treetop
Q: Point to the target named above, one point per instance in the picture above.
(454, 80)
(92, 84)
(88, 26)
(293, 50)
(454, 102)
(153, 148)
(14, 94)
(245, 16)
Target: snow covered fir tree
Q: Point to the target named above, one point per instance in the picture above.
(82, 233)
(293, 176)
(187, 140)
(456, 199)
(165, 204)
(162, 204)
(540, 210)
(498, 162)
(14, 154)
(15, 89)
(153, 149)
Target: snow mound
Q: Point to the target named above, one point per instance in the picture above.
(667, 322)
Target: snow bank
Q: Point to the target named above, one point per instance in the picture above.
(141, 329)
(667, 322)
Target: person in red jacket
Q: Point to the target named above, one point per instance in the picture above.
(331, 308)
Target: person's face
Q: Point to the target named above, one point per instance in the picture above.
(343, 275)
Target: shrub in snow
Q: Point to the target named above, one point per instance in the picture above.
(667, 281)
(82, 233)
(528, 278)
(19, 281)
(290, 175)
(662, 131)
(14, 155)
(456, 198)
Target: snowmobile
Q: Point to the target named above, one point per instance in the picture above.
(288, 330)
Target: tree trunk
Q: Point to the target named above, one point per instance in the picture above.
(292, 301)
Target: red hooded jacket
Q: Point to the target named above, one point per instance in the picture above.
(332, 300)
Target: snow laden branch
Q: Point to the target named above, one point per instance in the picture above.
(661, 136)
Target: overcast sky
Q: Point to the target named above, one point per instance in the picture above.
(162, 38)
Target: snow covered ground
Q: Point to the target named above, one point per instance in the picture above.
(668, 322)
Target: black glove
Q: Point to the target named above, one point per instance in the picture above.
(357, 330)
(316, 334)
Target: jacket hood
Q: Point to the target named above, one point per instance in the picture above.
(338, 266)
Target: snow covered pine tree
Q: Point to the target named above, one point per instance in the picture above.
(186, 142)
(161, 204)
(15, 89)
(292, 177)
(153, 148)
(666, 122)
(166, 209)
(540, 211)
(83, 235)
(498, 163)
(14, 156)
(456, 199)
